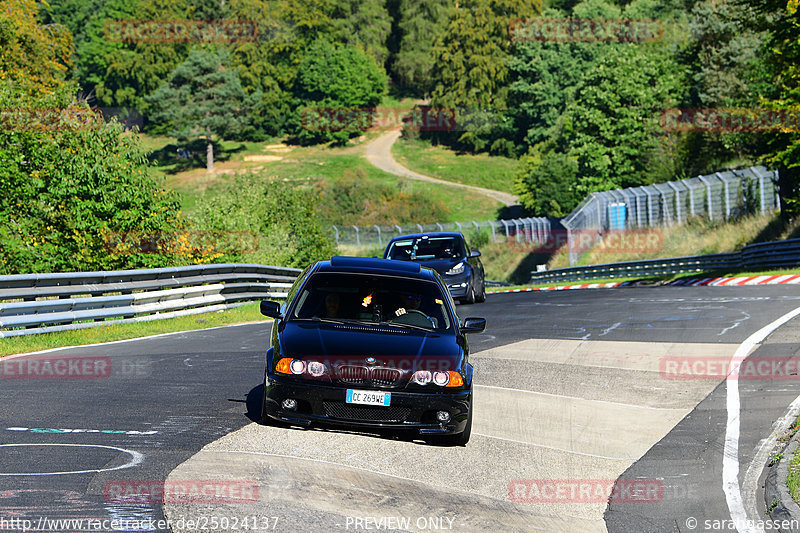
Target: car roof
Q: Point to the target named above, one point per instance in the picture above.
(373, 265)
(429, 234)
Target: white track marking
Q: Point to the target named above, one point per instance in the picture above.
(730, 458)
(579, 398)
(136, 458)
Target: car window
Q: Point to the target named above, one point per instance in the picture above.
(373, 299)
(426, 249)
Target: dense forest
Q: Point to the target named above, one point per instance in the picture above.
(582, 106)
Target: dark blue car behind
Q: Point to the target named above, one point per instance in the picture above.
(448, 254)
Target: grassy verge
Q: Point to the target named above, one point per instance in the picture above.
(116, 332)
(793, 479)
(489, 172)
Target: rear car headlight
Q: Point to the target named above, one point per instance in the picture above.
(457, 269)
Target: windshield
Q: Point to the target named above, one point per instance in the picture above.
(373, 299)
(425, 249)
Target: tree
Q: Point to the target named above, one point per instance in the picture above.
(203, 98)
(334, 78)
(72, 184)
(547, 184)
(32, 55)
(421, 23)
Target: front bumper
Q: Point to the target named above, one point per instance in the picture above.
(326, 403)
(457, 285)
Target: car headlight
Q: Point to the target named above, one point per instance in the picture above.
(451, 378)
(458, 269)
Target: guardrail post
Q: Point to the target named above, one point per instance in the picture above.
(380, 242)
(358, 238)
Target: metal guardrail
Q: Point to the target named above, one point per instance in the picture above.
(775, 254)
(40, 303)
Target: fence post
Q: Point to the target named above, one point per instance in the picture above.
(677, 201)
(491, 225)
(691, 199)
(708, 193)
(439, 226)
(337, 234)
(380, 242)
(727, 195)
(477, 228)
(420, 228)
(505, 225)
(459, 227)
(358, 238)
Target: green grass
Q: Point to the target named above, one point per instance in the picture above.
(303, 163)
(115, 332)
(489, 172)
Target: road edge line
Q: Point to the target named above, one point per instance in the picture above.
(730, 457)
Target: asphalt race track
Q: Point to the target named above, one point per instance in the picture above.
(575, 393)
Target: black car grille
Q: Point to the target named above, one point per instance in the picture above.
(366, 413)
(369, 376)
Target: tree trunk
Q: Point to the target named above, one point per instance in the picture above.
(209, 156)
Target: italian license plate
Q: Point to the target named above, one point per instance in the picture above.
(367, 397)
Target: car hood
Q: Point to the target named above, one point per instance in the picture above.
(355, 343)
(440, 265)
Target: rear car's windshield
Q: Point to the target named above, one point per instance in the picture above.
(424, 249)
(373, 299)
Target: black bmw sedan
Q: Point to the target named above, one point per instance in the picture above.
(370, 343)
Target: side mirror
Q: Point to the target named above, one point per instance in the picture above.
(475, 253)
(270, 309)
(473, 325)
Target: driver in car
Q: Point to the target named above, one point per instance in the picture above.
(410, 302)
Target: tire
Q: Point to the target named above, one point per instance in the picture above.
(482, 295)
(265, 419)
(470, 299)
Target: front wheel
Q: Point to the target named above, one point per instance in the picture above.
(481, 297)
(470, 299)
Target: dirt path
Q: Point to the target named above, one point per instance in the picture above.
(379, 153)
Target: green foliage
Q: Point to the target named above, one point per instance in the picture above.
(547, 184)
(32, 56)
(421, 23)
(70, 186)
(282, 215)
(352, 199)
(333, 77)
